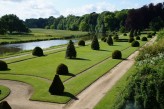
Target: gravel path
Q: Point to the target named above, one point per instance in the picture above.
(21, 92)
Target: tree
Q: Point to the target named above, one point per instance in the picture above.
(57, 87)
(12, 23)
(70, 51)
(110, 40)
(95, 43)
(156, 24)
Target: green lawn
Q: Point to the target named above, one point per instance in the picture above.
(4, 92)
(39, 34)
(40, 71)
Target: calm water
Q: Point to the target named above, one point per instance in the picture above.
(31, 45)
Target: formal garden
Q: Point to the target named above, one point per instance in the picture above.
(84, 64)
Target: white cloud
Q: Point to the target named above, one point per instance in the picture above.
(97, 7)
(28, 8)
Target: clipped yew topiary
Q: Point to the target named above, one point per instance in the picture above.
(62, 69)
(131, 39)
(144, 39)
(70, 51)
(4, 105)
(57, 87)
(3, 65)
(37, 51)
(137, 38)
(149, 36)
(135, 44)
(116, 54)
(131, 33)
(95, 43)
(81, 43)
(109, 40)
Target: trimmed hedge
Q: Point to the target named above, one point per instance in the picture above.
(137, 38)
(37, 51)
(62, 69)
(57, 87)
(144, 39)
(81, 43)
(4, 105)
(131, 39)
(3, 65)
(135, 44)
(117, 54)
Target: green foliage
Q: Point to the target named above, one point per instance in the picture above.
(117, 54)
(57, 87)
(70, 51)
(131, 39)
(110, 40)
(81, 43)
(95, 43)
(138, 38)
(160, 34)
(37, 51)
(3, 65)
(131, 33)
(47, 27)
(144, 39)
(149, 36)
(5, 105)
(156, 24)
(125, 34)
(62, 69)
(122, 29)
(136, 32)
(135, 44)
(116, 37)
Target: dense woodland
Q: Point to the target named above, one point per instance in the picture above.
(147, 16)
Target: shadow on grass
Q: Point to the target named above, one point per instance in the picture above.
(69, 74)
(6, 69)
(122, 40)
(67, 94)
(104, 50)
(81, 59)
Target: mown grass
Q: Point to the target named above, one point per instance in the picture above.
(28, 71)
(4, 92)
(111, 97)
(40, 34)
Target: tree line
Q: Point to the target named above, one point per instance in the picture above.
(147, 16)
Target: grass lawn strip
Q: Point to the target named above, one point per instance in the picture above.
(4, 92)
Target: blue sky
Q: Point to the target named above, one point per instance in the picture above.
(44, 8)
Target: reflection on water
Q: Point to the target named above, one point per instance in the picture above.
(30, 45)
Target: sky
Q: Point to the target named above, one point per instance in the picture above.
(26, 9)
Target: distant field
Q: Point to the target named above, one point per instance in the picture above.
(39, 34)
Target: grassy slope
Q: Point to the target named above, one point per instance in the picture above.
(45, 67)
(4, 92)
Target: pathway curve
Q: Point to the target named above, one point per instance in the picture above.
(21, 92)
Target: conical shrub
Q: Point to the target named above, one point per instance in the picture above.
(57, 87)
(62, 69)
(37, 51)
(110, 40)
(95, 43)
(3, 65)
(70, 51)
(4, 105)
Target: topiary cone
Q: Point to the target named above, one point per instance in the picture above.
(4, 105)
(57, 87)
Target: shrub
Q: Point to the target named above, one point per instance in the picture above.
(135, 44)
(116, 37)
(3, 65)
(144, 38)
(57, 87)
(95, 43)
(125, 34)
(149, 36)
(81, 43)
(131, 33)
(70, 51)
(137, 38)
(131, 39)
(37, 51)
(110, 40)
(4, 105)
(116, 54)
(62, 69)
